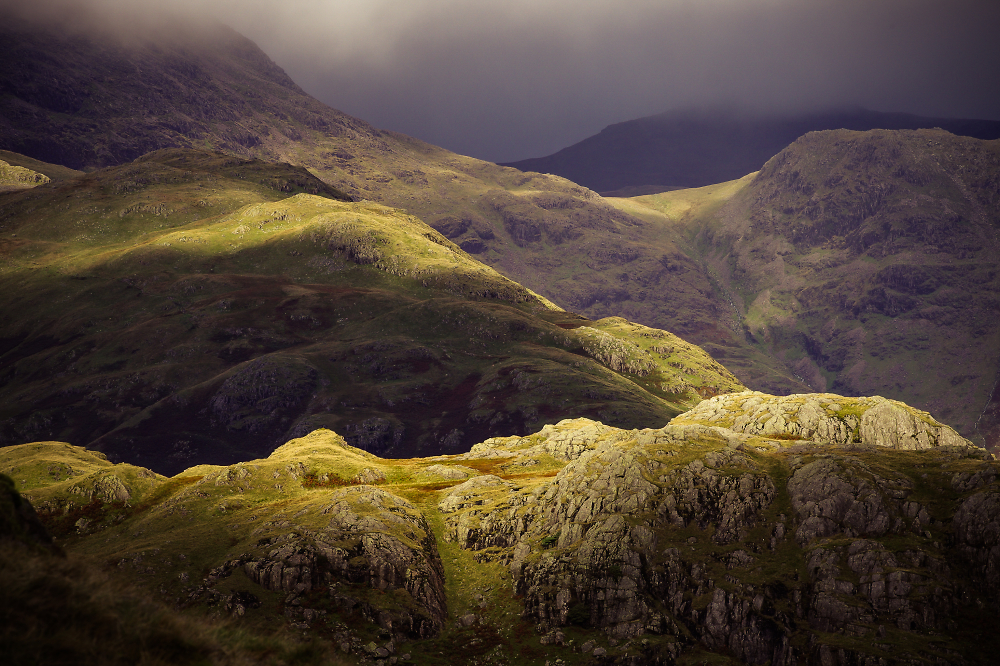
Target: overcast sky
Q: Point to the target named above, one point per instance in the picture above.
(509, 79)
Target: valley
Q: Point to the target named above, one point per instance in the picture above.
(185, 308)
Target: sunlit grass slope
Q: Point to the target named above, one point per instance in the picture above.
(192, 306)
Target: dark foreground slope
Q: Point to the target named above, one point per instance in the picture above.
(869, 261)
(194, 306)
(812, 529)
(701, 147)
(56, 609)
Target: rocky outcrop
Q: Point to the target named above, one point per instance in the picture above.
(604, 513)
(368, 476)
(566, 440)
(977, 536)
(373, 540)
(757, 532)
(826, 418)
(452, 472)
(832, 495)
(17, 177)
(744, 523)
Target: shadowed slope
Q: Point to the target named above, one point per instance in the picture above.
(116, 98)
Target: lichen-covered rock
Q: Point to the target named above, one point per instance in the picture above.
(613, 353)
(17, 177)
(603, 513)
(372, 538)
(741, 540)
(826, 418)
(368, 476)
(451, 472)
(566, 440)
(910, 590)
(977, 535)
(779, 542)
(115, 486)
(830, 498)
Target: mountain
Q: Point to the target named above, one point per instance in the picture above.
(753, 529)
(869, 262)
(194, 306)
(203, 86)
(648, 260)
(698, 147)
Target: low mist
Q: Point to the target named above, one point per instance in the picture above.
(506, 81)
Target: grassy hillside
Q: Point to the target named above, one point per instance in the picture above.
(197, 306)
(13, 178)
(687, 262)
(55, 609)
(50, 171)
(553, 236)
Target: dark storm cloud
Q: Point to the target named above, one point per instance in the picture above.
(514, 79)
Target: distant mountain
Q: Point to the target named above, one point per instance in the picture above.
(198, 307)
(697, 147)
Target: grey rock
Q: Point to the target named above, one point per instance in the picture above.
(826, 418)
(830, 498)
(368, 476)
(374, 539)
(449, 471)
(976, 527)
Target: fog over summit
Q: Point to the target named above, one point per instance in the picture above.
(506, 81)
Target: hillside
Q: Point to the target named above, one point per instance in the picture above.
(869, 262)
(695, 148)
(194, 306)
(809, 529)
(118, 98)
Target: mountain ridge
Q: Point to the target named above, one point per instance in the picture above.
(866, 260)
(551, 235)
(699, 147)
